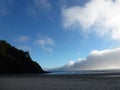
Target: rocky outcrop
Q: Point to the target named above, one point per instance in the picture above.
(14, 61)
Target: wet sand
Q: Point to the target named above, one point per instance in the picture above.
(60, 82)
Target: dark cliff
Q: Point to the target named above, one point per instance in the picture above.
(14, 61)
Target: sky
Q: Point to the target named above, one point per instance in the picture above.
(64, 34)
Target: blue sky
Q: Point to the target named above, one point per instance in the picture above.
(56, 32)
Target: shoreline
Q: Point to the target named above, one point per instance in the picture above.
(60, 75)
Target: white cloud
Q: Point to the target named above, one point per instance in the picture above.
(38, 6)
(3, 10)
(25, 48)
(99, 16)
(96, 60)
(22, 39)
(5, 6)
(45, 42)
(33, 12)
(42, 4)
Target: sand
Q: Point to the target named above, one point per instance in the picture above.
(59, 82)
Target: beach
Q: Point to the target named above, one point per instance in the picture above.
(60, 82)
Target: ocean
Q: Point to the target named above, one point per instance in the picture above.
(84, 72)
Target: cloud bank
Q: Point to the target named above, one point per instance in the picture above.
(96, 60)
(99, 16)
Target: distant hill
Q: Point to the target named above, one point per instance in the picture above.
(14, 61)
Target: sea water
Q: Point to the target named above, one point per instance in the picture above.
(84, 72)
